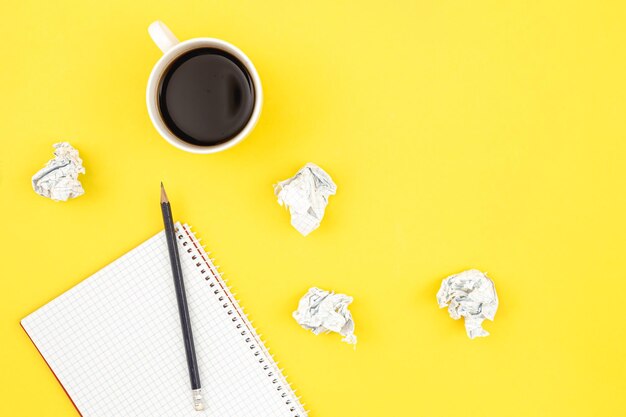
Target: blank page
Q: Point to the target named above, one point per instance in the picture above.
(115, 343)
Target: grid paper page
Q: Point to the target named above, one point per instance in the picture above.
(114, 341)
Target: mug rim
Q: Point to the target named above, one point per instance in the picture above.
(153, 84)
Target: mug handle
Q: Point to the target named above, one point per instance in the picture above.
(162, 36)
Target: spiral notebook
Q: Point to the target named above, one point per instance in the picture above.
(114, 341)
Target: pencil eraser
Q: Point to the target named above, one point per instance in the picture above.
(198, 402)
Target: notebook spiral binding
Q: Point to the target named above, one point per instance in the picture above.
(248, 333)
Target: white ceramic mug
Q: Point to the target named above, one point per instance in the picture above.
(172, 49)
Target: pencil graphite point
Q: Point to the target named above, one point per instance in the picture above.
(163, 195)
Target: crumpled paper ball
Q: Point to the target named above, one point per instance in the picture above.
(58, 180)
(306, 196)
(324, 311)
(472, 295)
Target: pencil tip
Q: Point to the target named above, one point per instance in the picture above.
(163, 195)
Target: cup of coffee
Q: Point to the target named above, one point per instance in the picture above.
(204, 95)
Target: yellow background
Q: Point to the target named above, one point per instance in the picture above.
(461, 134)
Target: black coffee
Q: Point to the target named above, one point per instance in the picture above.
(206, 96)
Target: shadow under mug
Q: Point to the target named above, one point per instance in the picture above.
(172, 49)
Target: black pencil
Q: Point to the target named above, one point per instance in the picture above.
(185, 320)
